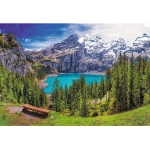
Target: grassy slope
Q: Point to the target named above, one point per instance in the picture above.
(3, 121)
(137, 117)
(16, 119)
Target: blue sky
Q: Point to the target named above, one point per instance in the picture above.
(37, 36)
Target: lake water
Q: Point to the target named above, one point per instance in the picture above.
(68, 78)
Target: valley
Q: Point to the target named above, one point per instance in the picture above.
(81, 79)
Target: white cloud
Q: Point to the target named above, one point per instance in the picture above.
(27, 40)
(147, 21)
(72, 29)
(147, 25)
(31, 49)
(42, 44)
(112, 31)
(108, 32)
(28, 49)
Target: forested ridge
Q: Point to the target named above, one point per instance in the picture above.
(8, 41)
(77, 97)
(126, 87)
(15, 87)
(20, 89)
(130, 83)
(41, 71)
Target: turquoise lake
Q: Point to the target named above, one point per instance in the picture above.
(69, 77)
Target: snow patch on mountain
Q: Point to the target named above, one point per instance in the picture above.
(144, 38)
(92, 44)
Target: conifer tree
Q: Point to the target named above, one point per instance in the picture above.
(56, 95)
(66, 96)
(84, 108)
(132, 84)
(108, 81)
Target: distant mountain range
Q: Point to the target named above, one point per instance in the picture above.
(74, 54)
(86, 53)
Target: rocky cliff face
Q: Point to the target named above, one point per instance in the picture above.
(12, 55)
(84, 54)
(15, 60)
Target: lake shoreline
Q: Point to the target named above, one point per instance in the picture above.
(44, 84)
(95, 73)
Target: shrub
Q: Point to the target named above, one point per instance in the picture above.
(71, 113)
(146, 99)
(102, 109)
(95, 114)
(13, 100)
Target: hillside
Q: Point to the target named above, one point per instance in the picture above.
(8, 41)
(12, 55)
(137, 117)
(20, 89)
(14, 58)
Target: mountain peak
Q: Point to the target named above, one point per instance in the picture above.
(88, 39)
(86, 35)
(144, 37)
(98, 37)
(71, 38)
(119, 39)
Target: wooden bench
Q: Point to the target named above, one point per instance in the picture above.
(45, 112)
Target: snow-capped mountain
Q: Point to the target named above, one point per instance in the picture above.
(144, 38)
(142, 41)
(92, 44)
(87, 53)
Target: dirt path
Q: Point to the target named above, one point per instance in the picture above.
(43, 84)
(14, 109)
(24, 117)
